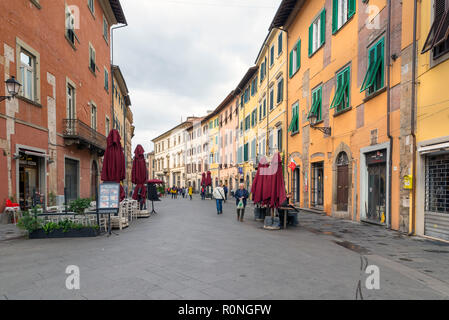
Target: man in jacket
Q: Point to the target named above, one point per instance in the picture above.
(241, 195)
(219, 196)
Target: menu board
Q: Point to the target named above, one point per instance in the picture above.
(109, 196)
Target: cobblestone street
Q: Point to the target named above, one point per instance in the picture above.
(188, 252)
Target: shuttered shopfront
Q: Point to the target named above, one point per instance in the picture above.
(437, 196)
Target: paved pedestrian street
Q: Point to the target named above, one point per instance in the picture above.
(187, 251)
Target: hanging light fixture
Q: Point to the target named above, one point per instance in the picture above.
(13, 87)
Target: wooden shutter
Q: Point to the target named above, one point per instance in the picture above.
(335, 16)
(291, 64)
(351, 8)
(298, 55)
(311, 39)
(323, 26)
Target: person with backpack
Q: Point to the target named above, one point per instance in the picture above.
(219, 198)
(241, 195)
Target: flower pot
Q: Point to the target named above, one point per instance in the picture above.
(59, 233)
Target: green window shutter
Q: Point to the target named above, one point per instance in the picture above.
(369, 72)
(314, 104)
(380, 47)
(337, 91)
(335, 16)
(323, 26)
(291, 64)
(298, 55)
(351, 8)
(294, 123)
(310, 39)
(319, 106)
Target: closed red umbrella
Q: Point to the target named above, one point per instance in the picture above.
(258, 183)
(114, 161)
(278, 195)
(203, 179)
(208, 179)
(139, 173)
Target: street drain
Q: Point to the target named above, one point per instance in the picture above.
(437, 251)
(353, 247)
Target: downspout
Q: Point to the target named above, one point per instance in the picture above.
(412, 121)
(390, 160)
(112, 92)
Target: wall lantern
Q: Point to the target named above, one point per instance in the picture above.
(13, 87)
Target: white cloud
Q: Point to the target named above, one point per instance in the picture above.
(183, 57)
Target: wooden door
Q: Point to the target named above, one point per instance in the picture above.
(342, 188)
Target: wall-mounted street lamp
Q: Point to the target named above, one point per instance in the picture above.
(13, 88)
(325, 130)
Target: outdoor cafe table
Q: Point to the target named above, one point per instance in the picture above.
(285, 213)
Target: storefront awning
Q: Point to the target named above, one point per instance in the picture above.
(434, 148)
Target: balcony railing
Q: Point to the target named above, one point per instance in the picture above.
(79, 132)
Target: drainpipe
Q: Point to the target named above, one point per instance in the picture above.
(390, 160)
(112, 88)
(412, 120)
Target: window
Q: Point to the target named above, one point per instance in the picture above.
(211, 124)
(374, 78)
(317, 33)
(70, 102)
(254, 86)
(264, 107)
(28, 74)
(295, 59)
(294, 125)
(271, 98)
(437, 39)
(106, 79)
(280, 38)
(105, 30)
(247, 123)
(272, 55)
(253, 149)
(70, 26)
(279, 142)
(341, 98)
(92, 59)
(280, 96)
(316, 104)
(263, 70)
(93, 117)
(245, 152)
(260, 112)
(342, 10)
(90, 4)
(254, 118)
(107, 126)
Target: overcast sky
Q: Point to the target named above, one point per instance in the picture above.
(183, 57)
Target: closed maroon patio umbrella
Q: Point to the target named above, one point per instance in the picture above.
(139, 173)
(203, 179)
(114, 161)
(258, 183)
(278, 195)
(155, 181)
(208, 179)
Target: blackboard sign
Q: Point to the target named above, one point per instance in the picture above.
(109, 196)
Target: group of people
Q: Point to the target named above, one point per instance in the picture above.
(241, 196)
(184, 192)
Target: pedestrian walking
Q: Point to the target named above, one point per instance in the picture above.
(225, 188)
(219, 198)
(190, 192)
(241, 195)
(203, 193)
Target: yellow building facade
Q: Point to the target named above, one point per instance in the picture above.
(248, 115)
(214, 147)
(432, 121)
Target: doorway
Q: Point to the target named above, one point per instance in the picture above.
(377, 191)
(342, 182)
(317, 185)
(71, 179)
(29, 181)
(296, 185)
(94, 181)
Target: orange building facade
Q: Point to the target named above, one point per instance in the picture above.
(349, 72)
(53, 133)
